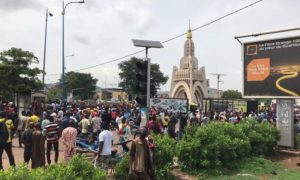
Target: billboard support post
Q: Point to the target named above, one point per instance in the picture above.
(285, 122)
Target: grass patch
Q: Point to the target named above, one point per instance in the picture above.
(254, 168)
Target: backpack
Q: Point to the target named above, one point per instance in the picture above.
(3, 132)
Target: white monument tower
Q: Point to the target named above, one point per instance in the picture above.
(188, 81)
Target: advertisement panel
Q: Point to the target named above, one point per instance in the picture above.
(271, 68)
(172, 104)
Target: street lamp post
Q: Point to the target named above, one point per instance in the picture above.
(63, 47)
(45, 43)
(147, 44)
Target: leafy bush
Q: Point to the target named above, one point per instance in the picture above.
(298, 141)
(122, 169)
(213, 146)
(164, 150)
(164, 173)
(263, 137)
(78, 168)
(164, 153)
(218, 145)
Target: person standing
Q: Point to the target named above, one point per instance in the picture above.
(182, 124)
(84, 123)
(124, 133)
(172, 125)
(105, 146)
(96, 123)
(45, 122)
(5, 139)
(27, 141)
(69, 141)
(21, 126)
(52, 135)
(141, 164)
(38, 148)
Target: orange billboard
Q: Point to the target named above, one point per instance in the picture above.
(272, 68)
(258, 69)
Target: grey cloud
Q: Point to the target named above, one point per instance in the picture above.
(15, 5)
(81, 39)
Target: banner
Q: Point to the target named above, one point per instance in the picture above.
(271, 68)
(173, 104)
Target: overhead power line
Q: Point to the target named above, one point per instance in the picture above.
(173, 38)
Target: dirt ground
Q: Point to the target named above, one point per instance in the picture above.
(287, 160)
(19, 152)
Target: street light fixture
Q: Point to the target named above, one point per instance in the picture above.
(147, 44)
(45, 43)
(70, 55)
(63, 46)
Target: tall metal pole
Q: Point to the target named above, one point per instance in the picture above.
(45, 43)
(63, 55)
(148, 78)
(218, 85)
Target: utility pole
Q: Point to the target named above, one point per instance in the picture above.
(218, 75)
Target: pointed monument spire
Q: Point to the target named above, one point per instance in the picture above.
(189, 33)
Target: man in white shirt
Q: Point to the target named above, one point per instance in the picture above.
(105, 144)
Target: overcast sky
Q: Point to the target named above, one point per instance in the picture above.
(101, 30)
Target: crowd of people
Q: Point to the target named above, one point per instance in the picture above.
(40, 129)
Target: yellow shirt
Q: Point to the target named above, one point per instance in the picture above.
(10, 125)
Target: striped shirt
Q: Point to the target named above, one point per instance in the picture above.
(52, 132)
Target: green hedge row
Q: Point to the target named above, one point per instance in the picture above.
(217, 145)
(210, 148)
(78, 168)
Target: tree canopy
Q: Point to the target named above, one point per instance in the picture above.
(128, 77)
(232, 94)
(16, 72)
(83, 86)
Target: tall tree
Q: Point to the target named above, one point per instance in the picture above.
(232, 94)
(83, 85)
(128, 77)
(16, 72)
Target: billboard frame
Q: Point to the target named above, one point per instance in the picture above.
(243, 71)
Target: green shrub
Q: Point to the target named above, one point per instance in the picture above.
(263, 137)
(164, 150)
(164, 153)
(218, 145)
(78, 168)
(298, 141)
(164, 173)
(122, 169)
(213, 146)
